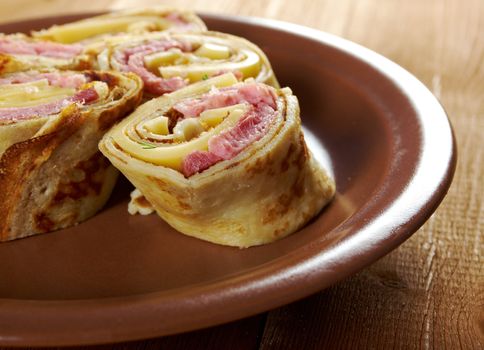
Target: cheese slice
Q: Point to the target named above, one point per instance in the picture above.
(213, 51)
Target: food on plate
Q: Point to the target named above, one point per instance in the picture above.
(222, 160)
(51, 172)
(217, 152)
(19, 52)
(168, 62)
(134, 21)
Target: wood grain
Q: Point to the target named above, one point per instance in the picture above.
(429, 293)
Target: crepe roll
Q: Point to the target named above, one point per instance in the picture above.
(169, 62)
(133, 21)
(51, 172)
(19, 52)
(222, 160)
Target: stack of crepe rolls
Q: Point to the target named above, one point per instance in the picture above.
(168, 62)
(223, 161)
(19, 52)
(135, 21)
(51, 172)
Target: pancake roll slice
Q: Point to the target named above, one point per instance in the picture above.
(51, 173)
(133, 21)
(223, 161)
(168, 62)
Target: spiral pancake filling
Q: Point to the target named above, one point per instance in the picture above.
(133, 60)
(196, 133)
(31, 94)
(168, 63)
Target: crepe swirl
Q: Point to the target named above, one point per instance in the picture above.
(135, 21)
(19, 52)
(168, 62)
(223, 161)
(51, 172)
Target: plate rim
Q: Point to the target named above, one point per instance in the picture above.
(109, 326)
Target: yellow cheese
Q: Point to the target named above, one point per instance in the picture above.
(162, 58)
(187, 129)
(212, 117)
(213, 51)
(158, 125)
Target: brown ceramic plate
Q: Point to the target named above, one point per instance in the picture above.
(118, 277)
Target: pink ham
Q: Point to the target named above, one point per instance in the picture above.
(253, 93)
(198, 161)
(250, 128)
(83, 97)
(47, 49)
(54, 78)
(132, 60)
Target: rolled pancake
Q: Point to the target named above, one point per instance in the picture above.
(51, 173)
(223, 161)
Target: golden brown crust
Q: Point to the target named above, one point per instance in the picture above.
(21, 161)
(9, 64)
(108, 118)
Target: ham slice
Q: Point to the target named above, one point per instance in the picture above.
(85, 96)
(54, 78)
(249, 129)
(44, 48)
(132, 60)
(255, 94)
(198, 161)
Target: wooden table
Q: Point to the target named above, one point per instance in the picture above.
(429, 293)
